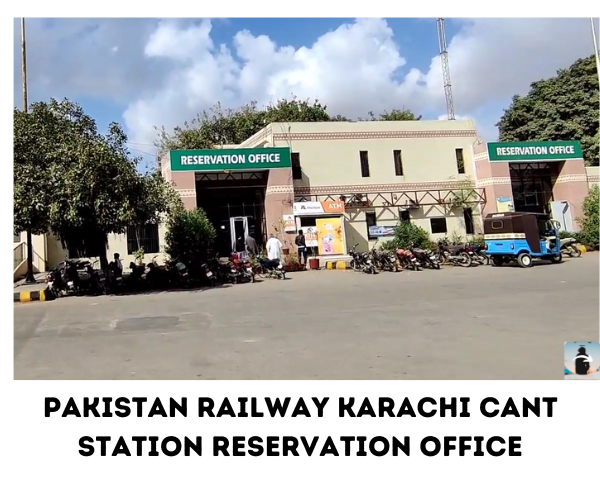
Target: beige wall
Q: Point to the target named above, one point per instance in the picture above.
(329, 156)
(329, 152)
(117, 243)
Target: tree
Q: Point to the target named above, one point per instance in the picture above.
(78, 183)
(189, 236)
(218, 126)
(395, 115)
(590, 223)
(564, 107)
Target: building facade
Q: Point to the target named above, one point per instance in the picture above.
(353, 182)
(381, 172)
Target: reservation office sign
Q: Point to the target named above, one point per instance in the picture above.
(218, 160)
(534, 151)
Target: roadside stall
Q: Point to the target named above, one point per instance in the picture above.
(322, 223)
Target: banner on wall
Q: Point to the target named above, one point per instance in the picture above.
(505, 204)
(319, 207)
(310, 236)
(379, 231)
(330, 236)
(289, 223)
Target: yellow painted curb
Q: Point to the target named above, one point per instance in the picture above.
(582, 248)
(330, 265)
(35, 296)
(340, 265)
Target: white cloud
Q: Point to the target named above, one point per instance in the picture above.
(165, 72)
(354, 70)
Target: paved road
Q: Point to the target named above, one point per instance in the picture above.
(477, 323)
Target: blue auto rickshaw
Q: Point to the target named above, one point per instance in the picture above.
(521, 236)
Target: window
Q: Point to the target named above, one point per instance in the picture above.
(398, 162)
(460, 161)
(438, 225)
(404, 216)
(371, 221)
(296, 167)
(145, 237)
(469, 224)
(364, 163)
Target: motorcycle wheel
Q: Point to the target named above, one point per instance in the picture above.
(465, 260)
(443, 258)
(574, 250)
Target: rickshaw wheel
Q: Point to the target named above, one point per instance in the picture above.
(525, 260)
(556, 258)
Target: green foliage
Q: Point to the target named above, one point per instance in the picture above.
(564, 107)
(189, 236)
(218, 127)
(395, 115)
(77, 182)
(476, 240)
(407, 236)
(589, 222)
(138, 256)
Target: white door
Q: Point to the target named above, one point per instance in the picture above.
(239, 229)
(561, 211)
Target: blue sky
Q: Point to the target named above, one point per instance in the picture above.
(150, 72)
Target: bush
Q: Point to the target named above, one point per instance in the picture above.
(406, 236)
(189, 236)
(476, 240)
(589, 222)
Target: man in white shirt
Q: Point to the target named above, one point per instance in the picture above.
(273, 248)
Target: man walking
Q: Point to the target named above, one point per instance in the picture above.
(274, 248)
(301, 244)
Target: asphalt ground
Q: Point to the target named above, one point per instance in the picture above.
(455, 323)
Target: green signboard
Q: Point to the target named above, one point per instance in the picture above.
(534, 151)
(230, 159)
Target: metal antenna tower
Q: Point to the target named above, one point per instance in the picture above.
(441, 29)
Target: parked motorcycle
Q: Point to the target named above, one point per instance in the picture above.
(456, 255)
(426, 258)
(243, 269)
(384, 261)
(357, 261)
(272, 268)
(407, 260)
(570, 247)
(479, 254)
(208, 274)
(368, 266)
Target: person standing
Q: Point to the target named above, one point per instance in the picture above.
(301, 244)
(251, 246)
(274, 248)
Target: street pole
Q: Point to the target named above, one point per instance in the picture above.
(29, 278)
(595, 47)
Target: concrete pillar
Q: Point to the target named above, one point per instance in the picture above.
(572, 185)
(185, 185)
(279, 199)
(493, 177)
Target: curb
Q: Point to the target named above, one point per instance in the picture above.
(35, 296)
(336, 264)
